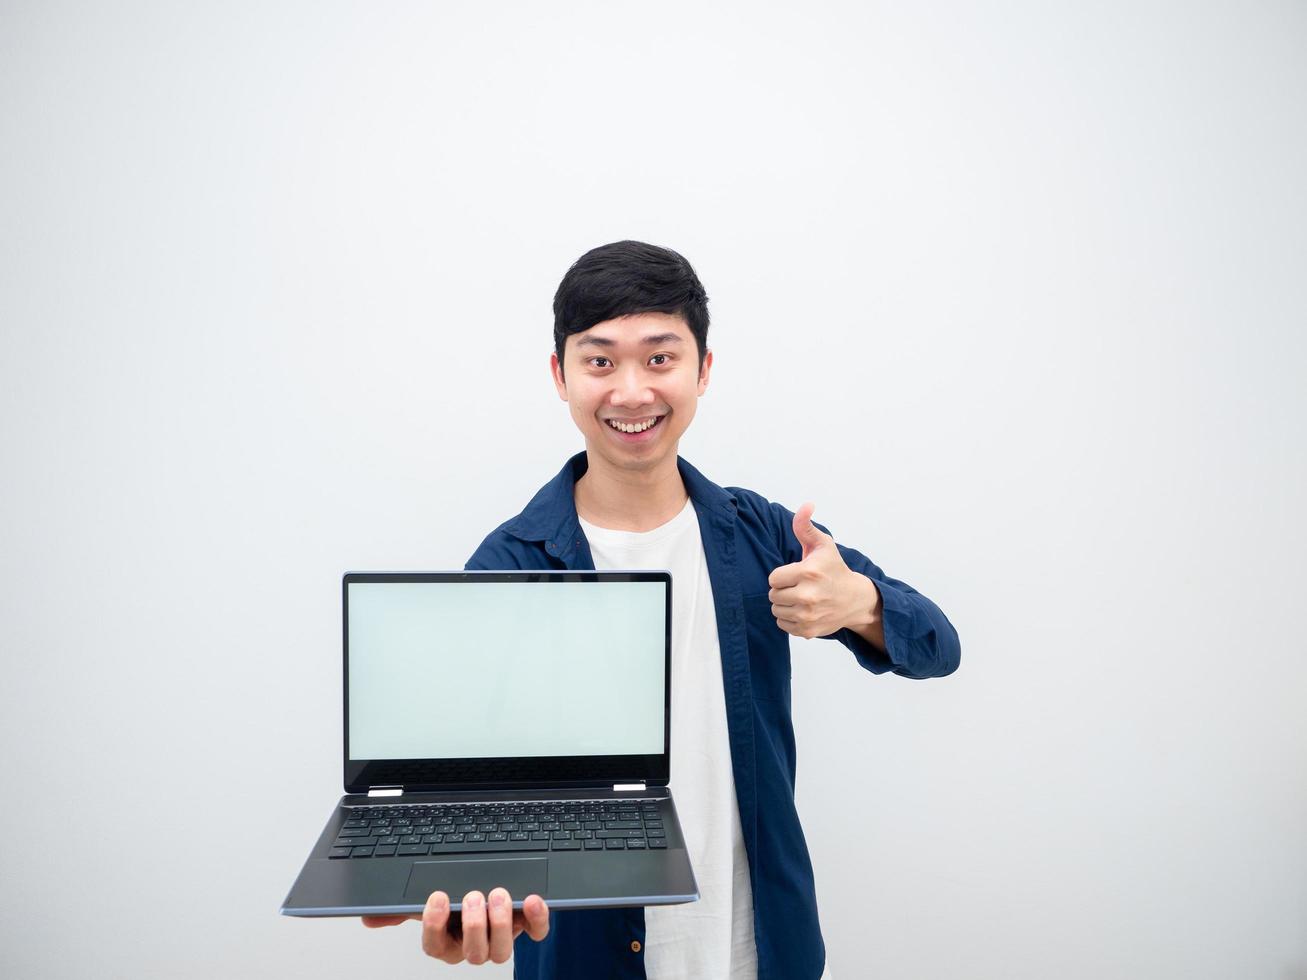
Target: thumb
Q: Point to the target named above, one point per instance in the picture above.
(807, 533)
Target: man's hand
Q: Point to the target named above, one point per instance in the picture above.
(821, 594)
(479, 934)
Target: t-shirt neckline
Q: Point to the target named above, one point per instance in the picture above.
(610, 536)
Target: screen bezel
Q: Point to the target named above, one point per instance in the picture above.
(543, 772)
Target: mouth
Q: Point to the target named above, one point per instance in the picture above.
(636, 430)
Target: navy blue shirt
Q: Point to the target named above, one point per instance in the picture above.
(745, 537)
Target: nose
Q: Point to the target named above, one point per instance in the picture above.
(630, 390)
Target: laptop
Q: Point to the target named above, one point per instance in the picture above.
(503, 729)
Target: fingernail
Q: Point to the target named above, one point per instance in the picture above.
(496, 901)
(472, 901)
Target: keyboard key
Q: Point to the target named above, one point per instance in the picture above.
(362, 852)
(635, 845)
(615, 845)
(617, 834)
(339, 852)
(355, 832)
(621, 825)
(385, 850)
(658, 843)
(408, 849)
(593, 845)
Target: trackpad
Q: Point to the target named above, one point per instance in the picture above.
(521, 876)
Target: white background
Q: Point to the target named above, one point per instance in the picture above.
(1015, 292)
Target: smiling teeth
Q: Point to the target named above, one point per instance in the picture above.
(623, 427)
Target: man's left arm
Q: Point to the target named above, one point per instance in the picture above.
(837, 593)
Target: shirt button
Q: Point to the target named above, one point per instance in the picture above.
(635, 945)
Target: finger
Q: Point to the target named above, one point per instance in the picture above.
(436, 941)
(377, 921)
(792, 626)
(501, 925)
(809, 535)
(476, 943)
(803, 519)
(785, 577)
(536, 915)
(793, 596)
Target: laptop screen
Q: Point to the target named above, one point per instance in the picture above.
(469, 676)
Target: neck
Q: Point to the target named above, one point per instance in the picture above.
(630, 500)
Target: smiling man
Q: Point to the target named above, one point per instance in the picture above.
(631, 360)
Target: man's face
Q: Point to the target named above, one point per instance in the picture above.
(632, 369)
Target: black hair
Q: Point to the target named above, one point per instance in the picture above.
(629, 277)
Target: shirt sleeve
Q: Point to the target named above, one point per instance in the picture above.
(920, 642)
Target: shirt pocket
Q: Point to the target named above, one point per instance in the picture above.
(769, 651)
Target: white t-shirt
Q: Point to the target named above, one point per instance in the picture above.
(712, 937)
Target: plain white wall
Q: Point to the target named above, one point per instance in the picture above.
(1014, 292)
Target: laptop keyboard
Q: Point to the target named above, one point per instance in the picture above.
(415, 829)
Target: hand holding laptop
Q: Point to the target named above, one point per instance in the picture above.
(482, 934)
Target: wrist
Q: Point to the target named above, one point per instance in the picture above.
(867, 603)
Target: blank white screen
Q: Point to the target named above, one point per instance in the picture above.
(455, 670)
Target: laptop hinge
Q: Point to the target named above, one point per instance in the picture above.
(628, 787)
(385, 791)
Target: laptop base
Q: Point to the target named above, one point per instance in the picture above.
(565, 879)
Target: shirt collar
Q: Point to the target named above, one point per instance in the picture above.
(551, 514)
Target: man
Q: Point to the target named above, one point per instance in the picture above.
(631, 361)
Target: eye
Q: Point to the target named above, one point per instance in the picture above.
(663, 356)
(594, 359)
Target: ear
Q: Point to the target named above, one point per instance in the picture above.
(556, 369)
(703, 372)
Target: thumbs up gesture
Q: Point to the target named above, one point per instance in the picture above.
(820, 594)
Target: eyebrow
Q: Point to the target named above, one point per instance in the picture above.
(650, 341)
